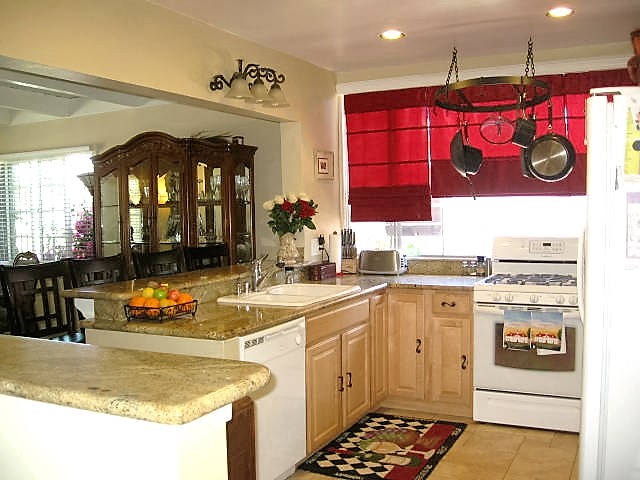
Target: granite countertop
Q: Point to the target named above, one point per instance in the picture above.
(220, 322)
(157, 387)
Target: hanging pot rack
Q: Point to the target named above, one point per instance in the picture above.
(527, 90)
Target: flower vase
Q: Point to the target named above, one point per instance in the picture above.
(288, 252)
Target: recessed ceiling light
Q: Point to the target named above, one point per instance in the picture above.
(559, 12)
(392, 35)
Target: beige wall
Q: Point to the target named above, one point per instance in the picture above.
(138, 44)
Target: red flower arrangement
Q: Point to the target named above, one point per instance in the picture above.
(290, 214)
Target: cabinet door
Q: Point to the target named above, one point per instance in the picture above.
(242, 211)
(379, 340)
(323, 396)
(356, 399)
(450, 352)
(406, 343)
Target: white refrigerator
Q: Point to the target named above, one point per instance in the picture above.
(610, 424)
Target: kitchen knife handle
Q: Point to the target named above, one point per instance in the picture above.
(340, 383)
(464, 362)
(418, 345)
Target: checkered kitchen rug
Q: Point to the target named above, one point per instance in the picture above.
(381, 446)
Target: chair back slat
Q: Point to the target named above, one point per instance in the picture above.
(98, 271)
(197, 258)
(152, 264)
(35, 306)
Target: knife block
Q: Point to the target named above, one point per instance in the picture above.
(349, 265)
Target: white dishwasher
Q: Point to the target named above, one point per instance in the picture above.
(280, 406)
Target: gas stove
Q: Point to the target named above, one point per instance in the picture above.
(532, 271)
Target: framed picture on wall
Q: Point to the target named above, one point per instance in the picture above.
(323, 165)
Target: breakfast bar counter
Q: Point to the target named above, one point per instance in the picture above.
(104, 413)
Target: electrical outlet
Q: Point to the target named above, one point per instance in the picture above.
(315, 247)
(318, 244)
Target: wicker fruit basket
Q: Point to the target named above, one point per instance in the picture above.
(160, 314)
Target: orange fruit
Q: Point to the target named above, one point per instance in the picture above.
(184, 298)
(137, 301)
(153, 307)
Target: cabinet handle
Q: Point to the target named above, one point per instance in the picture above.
(464, 362)
(418, 345)
(448, 304)
(349, 384)
(340, 383)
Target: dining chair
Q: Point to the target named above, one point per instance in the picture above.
(97, 271)
(151, 264)
(25, 258)
(35, 306)
(197, 258)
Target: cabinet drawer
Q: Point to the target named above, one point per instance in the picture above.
(451, 303)
(337, 320)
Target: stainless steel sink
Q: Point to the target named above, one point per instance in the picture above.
(291, 295)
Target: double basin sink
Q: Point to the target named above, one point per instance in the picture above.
(291, 295)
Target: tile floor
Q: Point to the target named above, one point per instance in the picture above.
(496, 452)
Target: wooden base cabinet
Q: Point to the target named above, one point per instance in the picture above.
(430, 350)
(338, 369)
(379, 321)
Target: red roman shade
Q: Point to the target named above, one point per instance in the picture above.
(399, 147)
(388, 159)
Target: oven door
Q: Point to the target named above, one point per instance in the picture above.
(500, 369)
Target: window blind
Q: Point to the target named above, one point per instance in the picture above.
(41, 198)
(387, 155)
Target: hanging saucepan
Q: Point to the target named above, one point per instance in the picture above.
(550, 157)
(525, 130)
(465, 158)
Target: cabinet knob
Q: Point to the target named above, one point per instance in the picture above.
(464, 362)
(340, 383)
(448, 304)
(418, 345)
(349, 384)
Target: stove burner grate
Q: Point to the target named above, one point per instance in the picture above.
(549, 279)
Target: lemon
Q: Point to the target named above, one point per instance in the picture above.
(148, 292)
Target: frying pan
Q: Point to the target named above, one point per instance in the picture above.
(550, 157)
(465, 158)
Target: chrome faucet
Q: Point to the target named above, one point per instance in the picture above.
(258, 277)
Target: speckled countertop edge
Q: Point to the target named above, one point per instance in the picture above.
(156, 387)
(220, 322)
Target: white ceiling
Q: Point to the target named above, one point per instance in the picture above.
(341, 36)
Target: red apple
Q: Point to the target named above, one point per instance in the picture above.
(173, 294)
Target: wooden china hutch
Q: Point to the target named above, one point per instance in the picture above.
(156, 192)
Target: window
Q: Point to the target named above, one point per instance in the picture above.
(462, 226)
(41, 199)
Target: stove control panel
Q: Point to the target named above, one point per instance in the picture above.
(526, 298)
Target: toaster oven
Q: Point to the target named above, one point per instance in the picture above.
(382, 262)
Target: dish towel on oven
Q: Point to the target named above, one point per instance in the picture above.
(516, 329)
(548, 333)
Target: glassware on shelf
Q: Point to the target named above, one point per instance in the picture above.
(134, 190)
(242, 188)
(215, 181)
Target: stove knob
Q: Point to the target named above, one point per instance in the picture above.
(534, 298)
(496, 297)
(560, 299)
(508, 297)
(573, 300)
